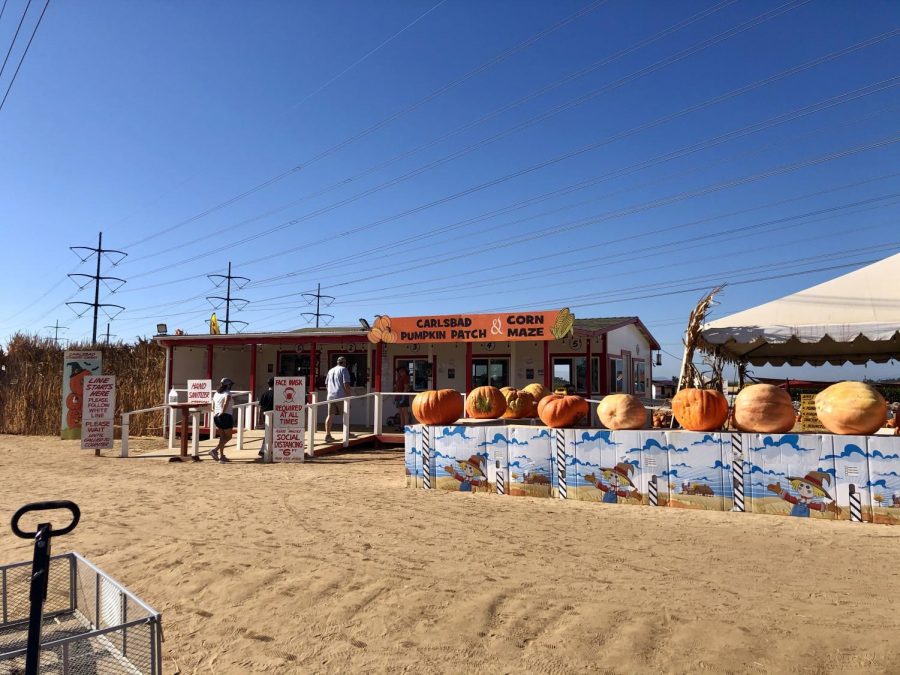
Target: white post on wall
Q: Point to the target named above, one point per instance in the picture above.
(171, 415)
(378, 413)
(125, 423)
(270, 435)
(346, 422)
(195, 432)
(311, 421)
(240, 426)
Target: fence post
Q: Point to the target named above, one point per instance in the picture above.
(125, 423)
(346, 422)
(653, 491)
(240, 426)
(737, 471)
(270, 435)
(855, 505)
(500, 480)
(195, 432)
(562, 491)
(171, 413)
(426, 456)
(378, 422)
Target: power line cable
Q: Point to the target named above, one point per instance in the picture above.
(15, 37)
(24, 53)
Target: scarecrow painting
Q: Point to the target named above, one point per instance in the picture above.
(473, 475)
(811, 489)
(619, 482)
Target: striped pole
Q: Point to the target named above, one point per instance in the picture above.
(653, 491)
(426, 457)
(855, 505)
(561, 463)
(501, 482)
(737, 471)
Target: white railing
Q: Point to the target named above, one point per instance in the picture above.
(126, 423)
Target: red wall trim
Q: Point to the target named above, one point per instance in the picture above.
(468, 367)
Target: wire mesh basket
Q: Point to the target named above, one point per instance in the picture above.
(92, 625)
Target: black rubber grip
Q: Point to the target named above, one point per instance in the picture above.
(46, 506)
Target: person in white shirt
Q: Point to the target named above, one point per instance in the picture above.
(338, 384)
(223, 407)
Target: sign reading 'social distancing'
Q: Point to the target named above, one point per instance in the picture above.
(288, 419)
(99, 411)
(199, 392)
(77, 366)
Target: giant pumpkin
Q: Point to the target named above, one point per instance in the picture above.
(851, 408)
(700, 409)
(558, 411)
(622, 411)
(484, 403)
(764, 409)
(443, 406)
(519, 404)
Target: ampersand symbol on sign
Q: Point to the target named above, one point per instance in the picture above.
(496, 327)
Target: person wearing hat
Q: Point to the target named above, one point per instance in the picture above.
(266, 404)
(223, 407)
(472, 476)
(617, 476)
(337, 383)
(809, 487)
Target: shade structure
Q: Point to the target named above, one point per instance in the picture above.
(854, 318)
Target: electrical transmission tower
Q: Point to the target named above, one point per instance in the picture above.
(239, 303)
(56, 328)
(115, 257)
(318, 297)
(106, 340)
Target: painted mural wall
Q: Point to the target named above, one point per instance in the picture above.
(800, 475)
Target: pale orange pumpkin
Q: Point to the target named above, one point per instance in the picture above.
(851, 408)
(558, 411)
(700, 409)
(383, 323)
(622, 411)
(519, 404)
(485, 403)
(443, 406)
(764, 409)
(537, 390)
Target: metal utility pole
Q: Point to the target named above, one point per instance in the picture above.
(318, 297)
(239, 303)
(56, 328)
(108, 335)
(98, 251)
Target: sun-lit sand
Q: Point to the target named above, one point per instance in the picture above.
(335, 566)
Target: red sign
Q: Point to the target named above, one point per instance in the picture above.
(502, 327)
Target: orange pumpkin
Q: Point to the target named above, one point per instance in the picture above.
(537, 390)
(700, 409)
(764, 408)
(622, 411)
(444, 406)
(558, 411)
(484, 403)
(851, 408)
(519, 404)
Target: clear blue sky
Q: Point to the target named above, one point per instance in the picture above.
(133, 118)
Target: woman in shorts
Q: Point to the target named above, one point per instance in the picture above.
(223, 407)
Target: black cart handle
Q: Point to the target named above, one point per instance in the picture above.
(46, 506)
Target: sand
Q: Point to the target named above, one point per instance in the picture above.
(335, 566)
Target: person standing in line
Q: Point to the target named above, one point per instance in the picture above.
(401, 384)
(266, 404)
(337, 383)
(223, 407)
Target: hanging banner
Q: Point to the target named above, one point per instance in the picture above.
(199, 392)
(288, 419)
(77, 366)
(503, 327)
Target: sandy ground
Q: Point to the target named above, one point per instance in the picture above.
(335, 566)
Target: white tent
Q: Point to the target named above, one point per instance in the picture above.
(855, 318)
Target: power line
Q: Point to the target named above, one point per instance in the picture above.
(15, 37)
(240, 303)
(16, 73)
(98, 251)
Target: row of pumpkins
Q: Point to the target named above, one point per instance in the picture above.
(842, 408)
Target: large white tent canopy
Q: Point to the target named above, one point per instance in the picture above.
(854, 318)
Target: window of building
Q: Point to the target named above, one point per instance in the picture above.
(419, 372)
(570, 371)
(616, 376)
(493, 372)
(639, 368)
(292, 364)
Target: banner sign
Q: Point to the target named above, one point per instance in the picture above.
(517, 326)
(199, 392)
(809, 421)
(288, 419)
(99, 397)
(77, 366)
(97, 434)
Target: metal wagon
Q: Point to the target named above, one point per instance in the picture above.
(90, 623)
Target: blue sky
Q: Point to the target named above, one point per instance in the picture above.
(136, 118)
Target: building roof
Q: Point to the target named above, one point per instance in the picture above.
(600, 325)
